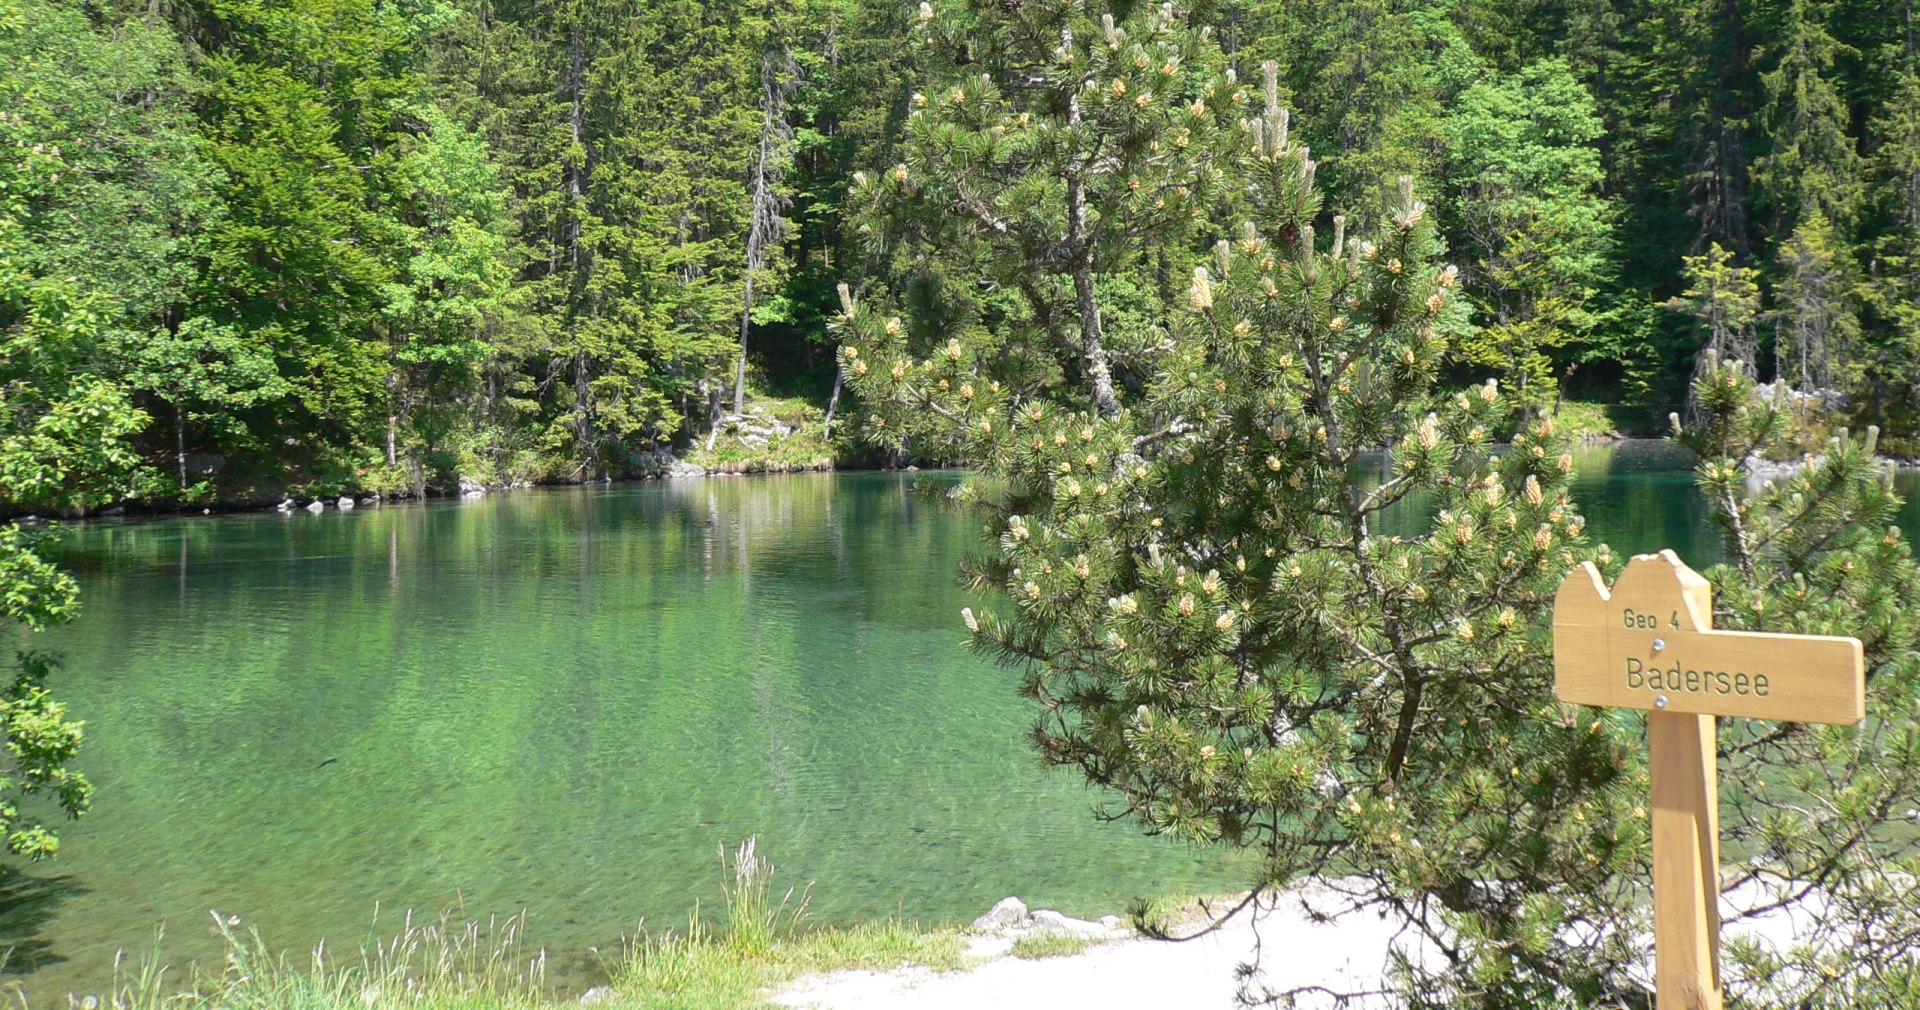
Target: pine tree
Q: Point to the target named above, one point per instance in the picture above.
(1245, 640)
(1815, 553)
(1050, 141)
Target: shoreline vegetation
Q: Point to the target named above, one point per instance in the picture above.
(741, 957)
(772, 436)
(730, 961)
(731, 458)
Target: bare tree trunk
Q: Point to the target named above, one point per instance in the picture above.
(833, 402)
(746, 316)
(1080, 244)
(713, 414)
(180, 440)
(764, 224)
(1091, 346)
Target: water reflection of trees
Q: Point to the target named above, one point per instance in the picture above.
(27, 900)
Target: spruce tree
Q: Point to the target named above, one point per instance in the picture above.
(1893, 352)
(1371, 79)
(1812, 165)
(1724, 301)
(1816, 322)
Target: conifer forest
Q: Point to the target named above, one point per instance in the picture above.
(254, 247)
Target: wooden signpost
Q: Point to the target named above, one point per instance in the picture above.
(1650, 644)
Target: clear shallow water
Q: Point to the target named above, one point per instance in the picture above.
(563, 701)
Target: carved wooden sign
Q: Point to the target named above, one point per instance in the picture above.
(1649, 644)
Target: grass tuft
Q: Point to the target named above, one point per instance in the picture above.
(1035, 946)
(753, 922)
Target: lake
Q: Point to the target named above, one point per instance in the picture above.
(564, 701)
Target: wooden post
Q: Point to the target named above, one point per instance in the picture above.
(1686, 860)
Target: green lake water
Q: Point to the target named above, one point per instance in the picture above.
(563, 701)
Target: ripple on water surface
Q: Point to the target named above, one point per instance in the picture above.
(561, 701)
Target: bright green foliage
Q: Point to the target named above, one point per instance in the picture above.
(78, 255)
(1537, 233)
(62, 444)
(453, 289)
(1818, 807)
(300, 104)
(1256, 635)
(203, 371)
(125, 187)
(1724, 301)
(337, 245)
(40, 741)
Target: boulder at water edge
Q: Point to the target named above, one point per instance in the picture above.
(1007, 913)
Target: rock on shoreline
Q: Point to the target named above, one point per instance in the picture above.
(1010, 917)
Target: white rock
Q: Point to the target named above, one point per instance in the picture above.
(1008, 912)
(316, 506)
(1047, 920)
(345, 502)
